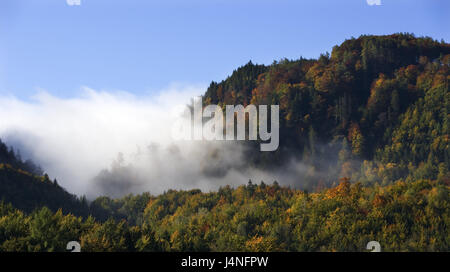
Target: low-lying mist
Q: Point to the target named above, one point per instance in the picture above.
(115, 143)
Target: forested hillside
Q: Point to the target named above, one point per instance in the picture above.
(24, 185)
(405, 216)
(10, 157)
(375, 110)
(372, 118)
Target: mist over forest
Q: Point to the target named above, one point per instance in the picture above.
(364, 152)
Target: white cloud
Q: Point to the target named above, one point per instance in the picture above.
(74, 138)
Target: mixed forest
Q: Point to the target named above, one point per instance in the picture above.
(372, 118)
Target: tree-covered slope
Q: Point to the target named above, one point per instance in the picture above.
(28, 192)
(24, 185)
(405, 216)
(375, 99)
(9, 156)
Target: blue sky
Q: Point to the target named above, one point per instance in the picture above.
(141, 46)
